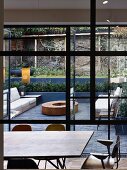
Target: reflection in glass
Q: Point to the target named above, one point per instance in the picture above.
(37, 38)
(118, 39)
(80, 38)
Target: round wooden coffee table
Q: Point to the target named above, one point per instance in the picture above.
(56, 107)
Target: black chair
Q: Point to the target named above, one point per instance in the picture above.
(17, 163)
(100, 160)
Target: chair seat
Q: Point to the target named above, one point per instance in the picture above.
(100, 156)
(105, 142)
(93, 163)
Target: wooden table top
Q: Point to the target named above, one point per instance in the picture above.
(45, 143)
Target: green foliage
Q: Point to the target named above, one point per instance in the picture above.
(52, 87)
(16, 84)
(101, 29)
(113, 86)
(41, 87)
(123, 102)
(61, 87)
(19, 32)
(82, 87)
(120, 32)
(124, 89)
(123, 108)
(48, 71)
(102, 87)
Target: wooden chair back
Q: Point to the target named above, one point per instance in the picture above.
(22, 127)
(55, 127)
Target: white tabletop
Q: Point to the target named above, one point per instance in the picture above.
(45, 143)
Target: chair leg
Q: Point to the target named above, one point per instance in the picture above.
(57, 160)
(45, 163)
(63, 159)
(102, 164)
(38, 162)
(99, 119)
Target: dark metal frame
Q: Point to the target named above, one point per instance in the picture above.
(92, 53)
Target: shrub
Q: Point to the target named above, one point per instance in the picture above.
(82, 87)
(41, 87)
(53, 87)
(123, 108)
(49, 71)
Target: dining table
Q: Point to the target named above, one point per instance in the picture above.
(46, 145)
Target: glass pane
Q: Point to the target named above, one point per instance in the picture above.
(102, 71)
(80, 38)
(118, 40)
(83, 112)
(80, 72)
(111, 38)
(42, 82)
(80, 87)
(37, 38)
(102, 40)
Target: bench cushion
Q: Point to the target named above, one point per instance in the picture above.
(22, 102)
(14, 94)
(117, 92)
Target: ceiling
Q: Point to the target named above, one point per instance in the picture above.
(63, 4)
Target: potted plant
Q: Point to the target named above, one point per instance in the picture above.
(121, 129)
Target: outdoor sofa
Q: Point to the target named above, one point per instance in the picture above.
(17, 104)
(102, 103)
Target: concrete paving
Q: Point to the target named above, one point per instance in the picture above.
(82, 114)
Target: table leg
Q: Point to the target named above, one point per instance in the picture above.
(62, 165)
(56, 166)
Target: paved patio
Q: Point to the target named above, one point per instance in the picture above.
(82, 114)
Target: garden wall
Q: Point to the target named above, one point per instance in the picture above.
(81, 43)
(60, 80)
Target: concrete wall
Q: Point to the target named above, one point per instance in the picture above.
(62, 16)
(47, 16)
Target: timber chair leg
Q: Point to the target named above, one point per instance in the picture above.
(99, 119)
(38, 162)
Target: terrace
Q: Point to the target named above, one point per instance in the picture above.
(39, 84)
(94, 51)
(82, 114)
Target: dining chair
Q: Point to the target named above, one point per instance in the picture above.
(22, 127)
(113, 112)
(53, 127)
(17, 163)
(103, 160)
